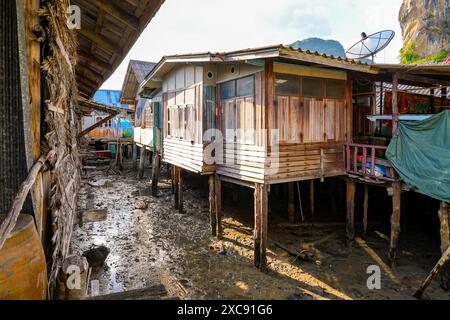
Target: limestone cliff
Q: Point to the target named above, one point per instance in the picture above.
(427, 23)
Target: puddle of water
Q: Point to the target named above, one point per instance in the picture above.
(142, 192)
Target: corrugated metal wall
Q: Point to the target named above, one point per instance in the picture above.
(13, 165)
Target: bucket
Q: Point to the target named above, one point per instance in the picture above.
(23, 269)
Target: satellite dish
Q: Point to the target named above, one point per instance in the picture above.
(370, 45)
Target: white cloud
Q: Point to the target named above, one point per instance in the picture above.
(183, 26)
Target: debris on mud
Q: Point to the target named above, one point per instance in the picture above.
(96, 256)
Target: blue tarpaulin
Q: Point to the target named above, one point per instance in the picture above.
(112, 98)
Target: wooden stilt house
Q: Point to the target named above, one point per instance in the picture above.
(281, 115)
(148, 116)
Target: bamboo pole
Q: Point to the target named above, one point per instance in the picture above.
(11, 218)
(442, 261)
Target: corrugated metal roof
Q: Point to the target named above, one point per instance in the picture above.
(272, 51)
(141, 69)
(109, 98)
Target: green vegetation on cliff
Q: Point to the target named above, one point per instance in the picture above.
(409, 55)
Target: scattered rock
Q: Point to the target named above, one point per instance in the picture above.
(96, 256)
(141, 204)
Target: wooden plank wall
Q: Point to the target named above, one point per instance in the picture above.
(183, 119)
(311, 135)
(244, 159)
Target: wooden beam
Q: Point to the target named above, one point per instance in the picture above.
(95, 125)
(117, 12)
(395, 221)
(89, 73)
(422, 80)
(101, 41)
(350, 228)
(92, 59)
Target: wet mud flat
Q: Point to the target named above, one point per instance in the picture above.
(151, 243)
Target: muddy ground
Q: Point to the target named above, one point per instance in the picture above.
(159, 245)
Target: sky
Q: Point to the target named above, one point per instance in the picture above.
(186, 26)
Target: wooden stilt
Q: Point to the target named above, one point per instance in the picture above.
(261, 222)
(264, 225)
(176, 189)
(155, 173)
(218, 192)
(395, 221)
(134, 156)
(257, 228)
(445, 242)
(172, 178)
(311, 197)
(212, 205)
(350, 210)
(291, 211)
(141, 163)
(180, 190)
(366, 207)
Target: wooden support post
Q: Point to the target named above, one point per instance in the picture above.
(134, 156)
(218, 193)
(350, 210)
(175, 187)
(311, 197)
(257, 228)
(445, 242)
(443, 99)
(291, 210)
(432, 100)
(261, 222)
(180, 190)
(264, 225)
(212, 205)
(395, 221)
(394, 103)
(141, 163)
(155, 173)
(366, 207)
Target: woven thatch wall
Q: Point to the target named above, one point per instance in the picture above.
(61, 118)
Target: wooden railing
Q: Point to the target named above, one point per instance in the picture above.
(358, 156)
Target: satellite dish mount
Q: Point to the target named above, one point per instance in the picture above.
(370, 45)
